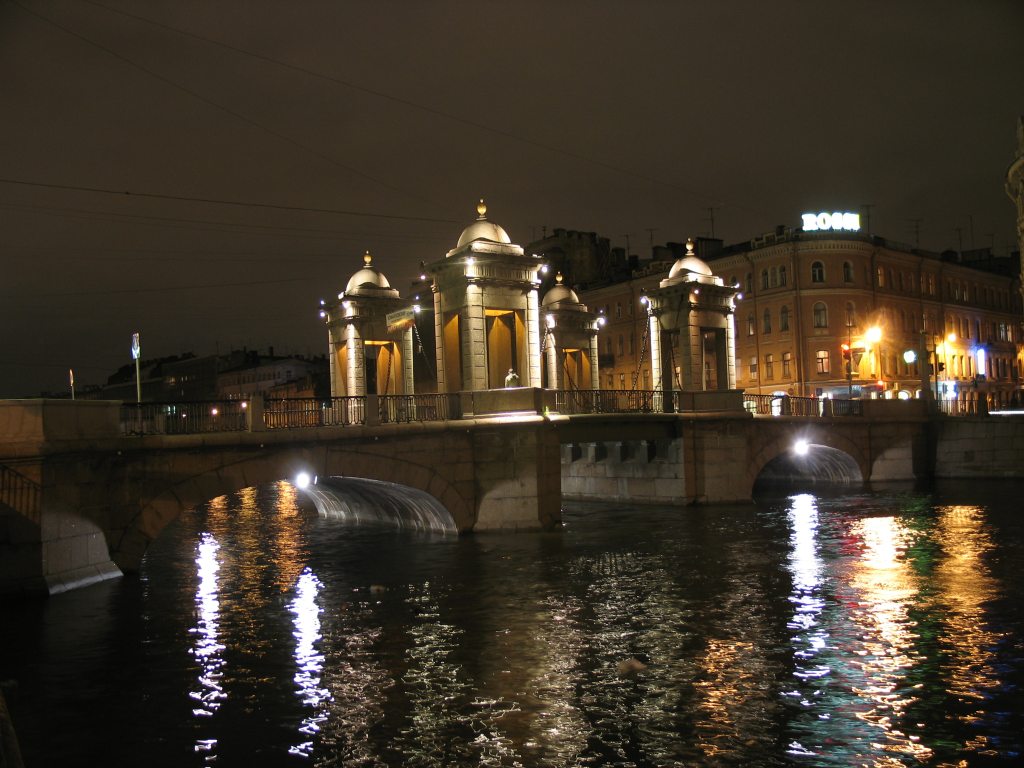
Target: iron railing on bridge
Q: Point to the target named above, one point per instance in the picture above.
(292, 412)
(20, 493)
(184, 418)
(786, 405)
(426, 407)
(577, 401)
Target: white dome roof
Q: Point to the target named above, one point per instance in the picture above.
(482, 229)
(367, 277)
(689, 263)
(561, 294)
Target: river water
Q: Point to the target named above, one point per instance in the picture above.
(875, 629)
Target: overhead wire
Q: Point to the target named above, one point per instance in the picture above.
(216, 105)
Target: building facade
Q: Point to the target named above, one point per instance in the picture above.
(843, 314)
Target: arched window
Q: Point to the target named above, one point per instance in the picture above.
(820, 315)
(766, 326)
(847, 272)
(750, 324)
(880, 276)
(764, 279)
(817, 272)
(749, 285)
(782, 276)
(784, 318)
(851, 314)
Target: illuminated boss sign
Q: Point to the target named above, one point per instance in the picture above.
(813, 222)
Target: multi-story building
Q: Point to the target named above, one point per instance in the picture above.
(841, 314)
(834, 313)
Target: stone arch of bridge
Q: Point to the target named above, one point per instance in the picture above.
(193, 480)
(781, 440)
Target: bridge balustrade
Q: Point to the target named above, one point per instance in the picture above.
(20, 493)
(292, 412)
(786, 405)
(422, 407)
(184, 418)
(579, 401)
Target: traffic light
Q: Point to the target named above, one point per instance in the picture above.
(942, 367)
(847, 352)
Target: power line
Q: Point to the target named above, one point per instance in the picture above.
(216, 105)
(407, 102)
(219, 201)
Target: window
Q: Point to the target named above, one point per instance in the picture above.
(764, 279)
(775, 277)
(767, 324)
(782, 276)
(817, 272)
(787, 359)
(618, 310)
(822, 359)
(769, 366)
(750, 324)
(880, 277)
(847, 272)
(621, 345)
(753, 367)
(784, 318)
(622, 381)
(749, 285)
(851, 315)
(820, 315)
(629, 343)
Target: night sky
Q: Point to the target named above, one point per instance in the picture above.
(204, 172)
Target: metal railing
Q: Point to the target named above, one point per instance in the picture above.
(397, 409)
(958, 407)
(786, 405)
(184, 418)
(577, 401)
(314, 412)
(20, 493)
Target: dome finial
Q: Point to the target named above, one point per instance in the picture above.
(367, 258)
(689, 247)
(481, 209)
(558, 278)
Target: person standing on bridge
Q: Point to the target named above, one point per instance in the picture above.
(512, 380)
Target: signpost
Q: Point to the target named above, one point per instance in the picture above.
(137, 353)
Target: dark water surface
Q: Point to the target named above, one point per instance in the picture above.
(875, 629)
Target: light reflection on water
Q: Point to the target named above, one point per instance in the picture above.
(863, 630)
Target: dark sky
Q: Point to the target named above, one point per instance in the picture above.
(267, 145)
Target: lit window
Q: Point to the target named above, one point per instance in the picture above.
(753, 367)
(787, 359)
(769, 366)
(750, 324)
(880, 277)
(823, 361)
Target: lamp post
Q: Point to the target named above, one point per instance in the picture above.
(874, 337)
(848, 357)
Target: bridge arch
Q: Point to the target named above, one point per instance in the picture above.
(196, 478)
(808, 452)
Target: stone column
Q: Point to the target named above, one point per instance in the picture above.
(336, 381)
(730, 348)
(533, 377)
(473, 338)
(654, 335)
(594, 382)
(442, 379)
(551, 361)
(408, 380)
(356, 362)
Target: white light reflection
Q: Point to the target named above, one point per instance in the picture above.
(208, 649)
(308, 658)
(808, 603)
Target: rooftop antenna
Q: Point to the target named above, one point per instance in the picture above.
(650, 233)
(917, 231)
(866, 207)
(711, 218)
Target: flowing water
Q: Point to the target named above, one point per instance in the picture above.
(875, 629)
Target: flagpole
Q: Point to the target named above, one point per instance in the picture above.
(71, 378)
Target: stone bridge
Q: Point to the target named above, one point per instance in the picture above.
(80, 502)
